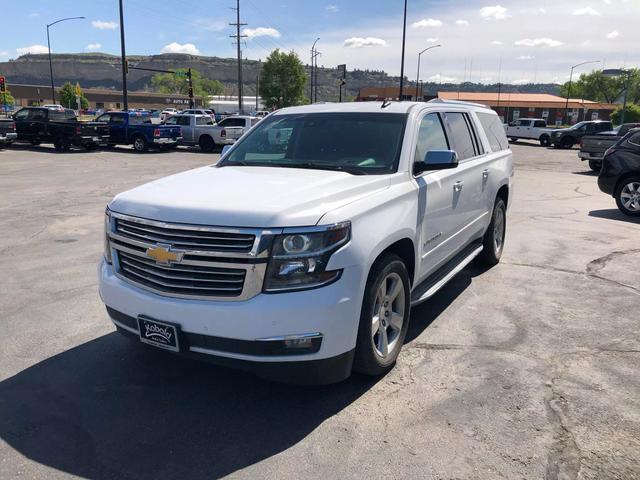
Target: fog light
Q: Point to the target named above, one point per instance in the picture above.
(299, 343)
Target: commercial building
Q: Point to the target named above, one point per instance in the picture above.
(509, 106)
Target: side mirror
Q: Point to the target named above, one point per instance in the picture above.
(225, 149)
(437, 160)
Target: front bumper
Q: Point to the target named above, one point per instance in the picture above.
(230, 330)
(94, 139)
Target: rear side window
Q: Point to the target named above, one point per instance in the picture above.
(539, 123)
(232, 122)
(494, 130)
(204, 121)
(461, 137)
(37, 115)
(183, 120)
(525, 123)
(634, 139)
(139, 119)
(431, 136)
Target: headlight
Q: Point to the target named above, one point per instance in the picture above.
(107, 229)
(299, 258)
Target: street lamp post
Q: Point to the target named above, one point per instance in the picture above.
(313, 51)
(614, 72)
(566, 105)
(418, 75)
(404, 36)
(53, 90)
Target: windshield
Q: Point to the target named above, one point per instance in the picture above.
(358, 143)
(578, 126)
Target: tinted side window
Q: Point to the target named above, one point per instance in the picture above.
(431, 136)
(183, 120)
(204, 121)
(462, 141)
(634, 139)
(171, 120)
(21, 114)
(104, 118)
(539, 123)
(37, 115)
(117, 118)
(494, 130)
(232, 122)
(525, 123)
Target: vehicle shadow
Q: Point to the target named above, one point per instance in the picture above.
(587, 173)
(614, 214)
(46, 148)
(111, 408)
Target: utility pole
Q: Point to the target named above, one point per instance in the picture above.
(311, 73)
(404, 36)
(123, 59)
(258, 83)
(315, 82)
(237, 36)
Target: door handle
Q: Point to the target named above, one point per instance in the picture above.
(485, 174)
(457, 187)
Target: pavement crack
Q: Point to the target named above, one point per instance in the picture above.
(594, 266)
(564, 458)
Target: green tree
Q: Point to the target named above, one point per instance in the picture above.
(7, 98)
(601, 88)
(631, 114)
(179, 83)
(282, 80)
(68, 97)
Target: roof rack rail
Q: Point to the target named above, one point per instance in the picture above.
(457, 102)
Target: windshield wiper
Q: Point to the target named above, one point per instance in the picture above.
(319, 166)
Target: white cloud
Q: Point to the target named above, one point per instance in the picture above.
(538, 42)
(440, 78)
(586, 11)
(585, 43)
(462, 22)
(521, 81)
(495, 12)
(261, 32)
(427, 22)
(175, 47)
(332, 8)
(32, 49)
(497, 42)
(432, 39)
(359, 42)
(4, 54)
(612, 35)
(93, 46)
(100, 25)
(525, 57)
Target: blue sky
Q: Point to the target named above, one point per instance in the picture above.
(518, 40)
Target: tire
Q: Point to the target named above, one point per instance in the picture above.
(566, 142)
(493, 240)
(545, 140)
(140, 144)
(595, 165)
(388, 294)
(35, 142)
(513, 139)
(90, 147)
(206, 143)
(61, 144)
(628, 196)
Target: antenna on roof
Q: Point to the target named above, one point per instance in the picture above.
(385, 103)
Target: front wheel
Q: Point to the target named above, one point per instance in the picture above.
(628, 196)
(566, 142)
(595, 165)
(206, 144)
(61, 144)
(513, 139)
(545, 140)
(384, 317)
(493, 240)
(140, 144)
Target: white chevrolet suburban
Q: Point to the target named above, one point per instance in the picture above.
(299, 254)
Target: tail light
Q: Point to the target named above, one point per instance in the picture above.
(78, 130)
(156, 132)
(13, 126)
(223, 133)
(179, 131)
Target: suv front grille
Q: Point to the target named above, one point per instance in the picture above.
(183, 279)
(186, 238)
(209, 263)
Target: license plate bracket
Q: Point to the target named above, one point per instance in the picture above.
(159, 334)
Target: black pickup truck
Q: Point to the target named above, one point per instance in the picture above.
(60, 127)
(568, 137)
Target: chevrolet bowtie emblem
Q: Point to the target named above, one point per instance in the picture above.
(163, 254)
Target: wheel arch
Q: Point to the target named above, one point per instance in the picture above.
(405, 249)
(623, 178)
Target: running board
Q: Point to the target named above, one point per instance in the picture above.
(441, 277)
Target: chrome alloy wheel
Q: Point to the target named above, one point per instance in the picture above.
(388, 315)
(498, 229)
(630, 196)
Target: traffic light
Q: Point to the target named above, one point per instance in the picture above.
(3, 85)
(190, 91)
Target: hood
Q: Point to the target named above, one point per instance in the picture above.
(261, 197)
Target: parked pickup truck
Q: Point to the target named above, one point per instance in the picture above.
(60, 127)
(529, 129)
(568, 137)
(196, 130)
(135, 128)
(592, 147)
(231, 128)
(7, 131)
(300, 253)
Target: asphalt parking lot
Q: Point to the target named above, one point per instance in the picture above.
(528, 370)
